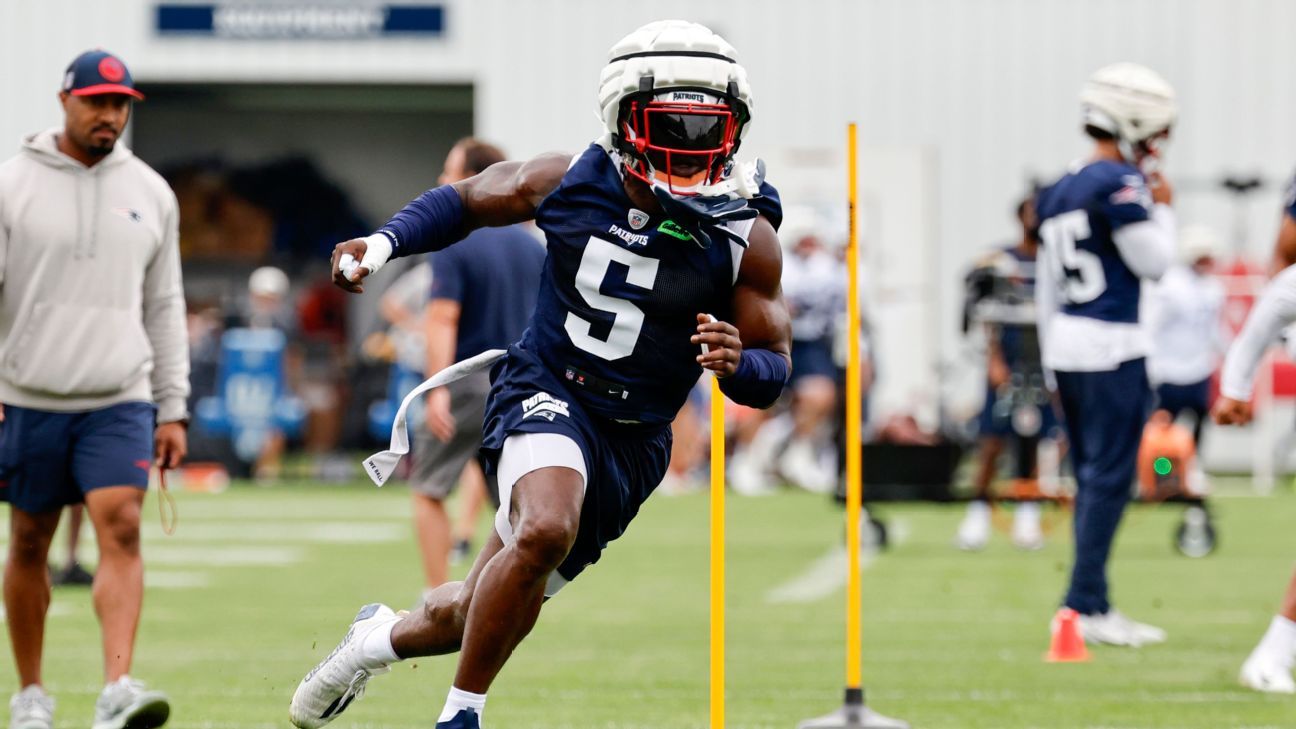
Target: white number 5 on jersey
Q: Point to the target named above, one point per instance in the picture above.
(628, 319)
(1079, 273)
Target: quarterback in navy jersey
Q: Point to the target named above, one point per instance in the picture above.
(662, 262)
(1105, 226)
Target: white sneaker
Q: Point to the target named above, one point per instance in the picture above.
(1267, 672)
(1113, 628)
(974, 531)
(31, 708)
(340, 678)
(807, 466)
(126, 704)
(1026, 532)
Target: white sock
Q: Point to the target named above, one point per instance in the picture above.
(1280, 640)
(377, 648)
(458, 700)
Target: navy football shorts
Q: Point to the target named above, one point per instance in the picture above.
(813, 358)
(996, 419)
(623, 463)
(49, 460)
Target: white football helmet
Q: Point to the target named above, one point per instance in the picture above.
(1133, 104)
(1197, 241)
(676, 104)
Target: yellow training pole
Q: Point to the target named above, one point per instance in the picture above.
(854, 471)
(717, 556)
(853, 714)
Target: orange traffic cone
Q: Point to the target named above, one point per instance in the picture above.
(1068, 645)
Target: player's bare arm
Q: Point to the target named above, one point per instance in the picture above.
(503, 194)
(761, 319)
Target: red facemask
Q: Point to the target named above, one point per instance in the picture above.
(681, 144)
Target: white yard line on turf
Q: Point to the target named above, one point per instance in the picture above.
(56, 609)
(324, 532)
(171, 580)
(826, 575)
(222, 556)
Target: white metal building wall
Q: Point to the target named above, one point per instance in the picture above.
(989, 86)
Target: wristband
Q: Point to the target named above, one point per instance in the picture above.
(759, 379)
(428, 223)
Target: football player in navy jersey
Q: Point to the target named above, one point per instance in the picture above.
(1105, 226)
(662, 261)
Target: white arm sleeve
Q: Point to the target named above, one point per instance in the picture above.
(1046, 305)
(1274, 311)
(1148, 247)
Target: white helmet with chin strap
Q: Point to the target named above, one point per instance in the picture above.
(1132, 103)
(676, 104)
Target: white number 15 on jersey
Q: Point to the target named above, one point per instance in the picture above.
(1078, 272)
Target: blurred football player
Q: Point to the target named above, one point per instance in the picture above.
(1105, 226)
(1184, 317)
(1269, 667)
(1017, 405)
(651, 230)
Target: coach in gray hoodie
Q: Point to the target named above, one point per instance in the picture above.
(94, 372)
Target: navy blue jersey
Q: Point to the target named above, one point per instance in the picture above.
(493, 276)
(621, 292)
(1078, 216)
(1014, 343)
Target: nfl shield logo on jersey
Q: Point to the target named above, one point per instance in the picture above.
(637, 218)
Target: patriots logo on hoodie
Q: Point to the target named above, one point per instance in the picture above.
(130, 214)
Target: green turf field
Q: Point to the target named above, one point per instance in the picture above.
(260, 583)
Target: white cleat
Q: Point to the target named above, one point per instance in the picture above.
(340, 678)
(1268, 673)
(1026, 532)
(974, 531)
(31, 708)
(1113, 628)
(127, 704)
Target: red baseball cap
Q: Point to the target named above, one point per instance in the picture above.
(99, 72)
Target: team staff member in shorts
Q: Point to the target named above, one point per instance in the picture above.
(482, 297)
(94, 372)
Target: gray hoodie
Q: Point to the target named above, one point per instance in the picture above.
(91, 305)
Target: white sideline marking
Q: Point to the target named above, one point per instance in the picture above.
(325, 532)
(222, 725)
(824, 577)
(56, 609)
(222, 556)
(827, 574)
(166, 580)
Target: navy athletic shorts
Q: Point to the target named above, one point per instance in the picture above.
(49, 460)
(813, 357)
(996, 417)
(624, 462)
